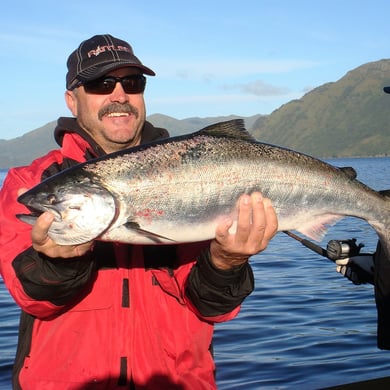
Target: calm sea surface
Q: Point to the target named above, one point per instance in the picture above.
(304, 326)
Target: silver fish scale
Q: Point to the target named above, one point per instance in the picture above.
(204, 177)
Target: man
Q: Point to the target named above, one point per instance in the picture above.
(378, 265)
(107, 315)
(359, 269)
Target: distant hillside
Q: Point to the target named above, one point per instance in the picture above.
(349, 117)
(22, 150)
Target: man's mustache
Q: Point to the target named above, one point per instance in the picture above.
(125, 108)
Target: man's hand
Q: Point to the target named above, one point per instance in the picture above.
(42, 243)
(256, 225)
(358, 269)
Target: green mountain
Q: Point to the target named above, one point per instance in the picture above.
(350, 117)
(346, 118)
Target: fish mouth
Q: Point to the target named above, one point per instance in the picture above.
(36, 212)
(37, 205)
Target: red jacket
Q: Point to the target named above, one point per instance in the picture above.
(121, 316)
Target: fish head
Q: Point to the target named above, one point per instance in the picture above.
(82, 209)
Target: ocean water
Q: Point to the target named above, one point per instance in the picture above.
(304, 326)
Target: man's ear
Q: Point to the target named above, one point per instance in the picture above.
(71, 102)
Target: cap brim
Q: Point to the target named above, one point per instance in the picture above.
(386, 89)
(98, 71)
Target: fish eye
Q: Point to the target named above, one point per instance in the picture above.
(52, 199)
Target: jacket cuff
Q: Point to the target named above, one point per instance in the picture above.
(219, 277)
(54, 280)
(215, 292)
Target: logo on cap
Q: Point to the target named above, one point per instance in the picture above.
(102, 49)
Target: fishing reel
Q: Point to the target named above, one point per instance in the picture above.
(342, 249)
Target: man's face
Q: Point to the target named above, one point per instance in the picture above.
(114, 120)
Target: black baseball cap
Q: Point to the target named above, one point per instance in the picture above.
(386, 89)
(99, 55)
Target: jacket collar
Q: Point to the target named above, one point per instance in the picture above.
(66, 125)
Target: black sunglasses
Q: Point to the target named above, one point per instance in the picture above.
(131, 84)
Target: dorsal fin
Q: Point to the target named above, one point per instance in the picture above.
(349, 171)
(229, 129)
(385, 193)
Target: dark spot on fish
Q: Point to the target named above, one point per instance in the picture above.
(194, 152)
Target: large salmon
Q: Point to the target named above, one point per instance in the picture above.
(178, 189)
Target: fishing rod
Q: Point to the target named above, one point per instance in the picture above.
(336, 250)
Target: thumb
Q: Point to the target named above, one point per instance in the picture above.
(39, 232)
(223, 227)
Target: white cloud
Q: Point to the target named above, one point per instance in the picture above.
(258, 88)
(211, 99)
(213, 69)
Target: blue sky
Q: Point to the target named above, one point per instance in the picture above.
(212, 58)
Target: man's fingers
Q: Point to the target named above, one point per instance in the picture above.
(271, 220)
(343, 261)
(244, 219)
(256, 225)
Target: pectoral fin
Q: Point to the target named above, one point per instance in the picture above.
(156, 238)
